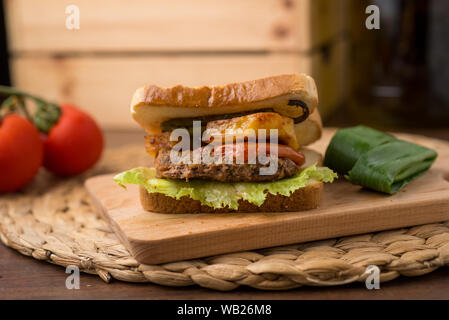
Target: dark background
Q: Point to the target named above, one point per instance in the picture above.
(398, 74)
(4, 74)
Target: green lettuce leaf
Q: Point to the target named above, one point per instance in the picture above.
(223, 194)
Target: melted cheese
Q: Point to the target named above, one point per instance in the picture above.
(244, 126)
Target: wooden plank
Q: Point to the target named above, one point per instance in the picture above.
(104, 86)
(345, 210)
(176, 25)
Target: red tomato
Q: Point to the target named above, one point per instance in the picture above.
(21, 152)
(74, 143)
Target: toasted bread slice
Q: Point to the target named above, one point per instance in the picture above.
(305, 198)
(152, 105)
(302, 199)
(310, 130)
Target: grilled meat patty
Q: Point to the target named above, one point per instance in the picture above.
(221, 172)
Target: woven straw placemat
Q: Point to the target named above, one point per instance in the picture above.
(53, 220)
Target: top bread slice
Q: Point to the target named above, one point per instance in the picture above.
(152, 105)
(310, 130)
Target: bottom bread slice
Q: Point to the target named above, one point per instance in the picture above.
(302, 199)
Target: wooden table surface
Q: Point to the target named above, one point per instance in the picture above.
(22, 277)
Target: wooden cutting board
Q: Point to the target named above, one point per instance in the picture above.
(346, 209)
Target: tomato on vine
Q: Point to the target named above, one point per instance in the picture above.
(21, 152)
(73, 144)
(64, 139)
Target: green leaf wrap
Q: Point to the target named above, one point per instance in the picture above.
(391, 166)
(349, 144)
(376, 160)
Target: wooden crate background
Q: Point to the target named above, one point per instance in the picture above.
(122, 45)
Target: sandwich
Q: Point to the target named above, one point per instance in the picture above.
(239, 147)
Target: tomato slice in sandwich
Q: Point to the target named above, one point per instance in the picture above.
(237, 149)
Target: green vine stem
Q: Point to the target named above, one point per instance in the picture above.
(46, 115)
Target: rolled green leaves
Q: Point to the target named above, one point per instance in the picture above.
(390, 166)
(349, 144)
(376, 160)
